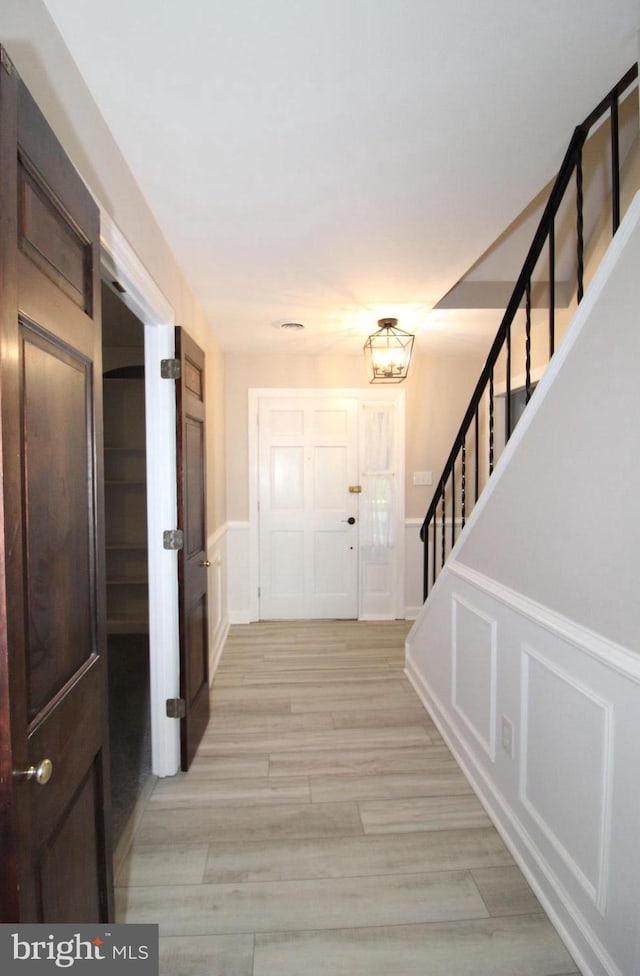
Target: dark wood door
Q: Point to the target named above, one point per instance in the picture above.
(54, 836)
(192, 559)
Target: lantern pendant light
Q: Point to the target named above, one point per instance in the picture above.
(388, 353)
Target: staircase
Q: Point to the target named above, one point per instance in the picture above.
(524, 344)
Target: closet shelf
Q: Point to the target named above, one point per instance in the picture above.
(127, 581)
(122, 482)
(126, 546)
(126, 450)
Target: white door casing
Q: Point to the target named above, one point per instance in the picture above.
(378, 534)
(149, 304)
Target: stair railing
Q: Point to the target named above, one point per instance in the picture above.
(454, 496)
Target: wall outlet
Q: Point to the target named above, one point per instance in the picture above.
(507, 736)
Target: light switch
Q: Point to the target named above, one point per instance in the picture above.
(422, 478)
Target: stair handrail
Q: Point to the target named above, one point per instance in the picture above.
(572, 163)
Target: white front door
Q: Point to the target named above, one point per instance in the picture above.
(308, 459)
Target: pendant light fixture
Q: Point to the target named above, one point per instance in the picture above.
(388, 353)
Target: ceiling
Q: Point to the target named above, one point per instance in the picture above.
(331, 162)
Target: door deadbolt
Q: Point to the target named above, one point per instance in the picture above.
(205, 562)
(41, 773)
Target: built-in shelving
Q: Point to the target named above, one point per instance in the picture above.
(125, 503)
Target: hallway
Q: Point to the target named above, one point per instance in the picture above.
(324, 828)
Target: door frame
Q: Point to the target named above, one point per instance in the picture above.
(120, 263)
(365, 394)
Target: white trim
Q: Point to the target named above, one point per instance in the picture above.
(606, 651)
(362, 395)
(489, 746)
(413, 568)
(217, 591)
(590, 955)
(145, 299)
(596, 891)
(142, 294)
(219, 534)
(237, 574)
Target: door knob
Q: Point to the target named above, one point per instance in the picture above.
(205, 562)
(41, 773)
(350, 520)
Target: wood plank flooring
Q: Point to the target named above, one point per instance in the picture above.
(325, 828)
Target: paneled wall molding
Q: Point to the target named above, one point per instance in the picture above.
(587, 949)
(219, 534)
(218, 601)
(614, 655)
(474, 671)
(241, 576)
(598, 814)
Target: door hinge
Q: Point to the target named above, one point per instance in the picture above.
(173, 539)
(176, 708)
(170, 369)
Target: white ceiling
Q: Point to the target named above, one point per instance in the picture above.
(333, 161)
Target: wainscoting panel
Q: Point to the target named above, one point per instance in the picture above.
(566, 766)
(240, 574)
(218, 614)
(473, 671)
(413, 562)
(564, 791)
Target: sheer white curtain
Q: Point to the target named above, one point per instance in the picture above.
(378, 483)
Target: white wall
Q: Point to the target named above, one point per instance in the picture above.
(526, 652)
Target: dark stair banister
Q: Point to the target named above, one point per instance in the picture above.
(572, 163)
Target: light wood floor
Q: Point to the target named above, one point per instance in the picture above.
(325, 830)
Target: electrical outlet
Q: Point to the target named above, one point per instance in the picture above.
(507, 736)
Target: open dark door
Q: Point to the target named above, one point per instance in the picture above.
(192, 559)
(54, 816)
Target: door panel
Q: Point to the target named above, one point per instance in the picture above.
(192, 559)
(56, 392)
(55, 836)
(308, 457)
(69, 887)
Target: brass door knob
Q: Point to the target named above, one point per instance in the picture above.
(205, 562)
(41, 773)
